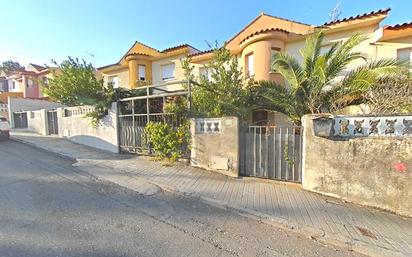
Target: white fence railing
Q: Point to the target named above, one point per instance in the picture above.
(208, 125)
(77, 111)
(363, 126)
(3, 107)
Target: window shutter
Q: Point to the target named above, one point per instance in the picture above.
(168, 71)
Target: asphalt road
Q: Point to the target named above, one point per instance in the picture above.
(49, 208)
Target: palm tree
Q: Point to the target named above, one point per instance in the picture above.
(323, 82)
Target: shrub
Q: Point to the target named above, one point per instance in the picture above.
(167, 141)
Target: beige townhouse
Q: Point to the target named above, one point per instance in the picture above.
(256, 44)
(144, 64)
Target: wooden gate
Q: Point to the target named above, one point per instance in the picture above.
(271, 152)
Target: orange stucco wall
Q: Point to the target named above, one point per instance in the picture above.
(134, 71)
(262, 52)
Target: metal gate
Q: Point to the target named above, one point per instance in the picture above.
(135, 112)
(52, 126)
(271, 152)
(20, 120)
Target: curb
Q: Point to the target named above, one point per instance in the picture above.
(66, 157)
(310, 232)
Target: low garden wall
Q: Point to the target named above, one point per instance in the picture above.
(73, 125)
(25, 104)
(365, 160)
(37, 121)
(215, 144)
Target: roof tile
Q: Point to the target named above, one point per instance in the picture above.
(359, 16)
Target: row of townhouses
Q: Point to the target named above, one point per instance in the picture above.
(254, 47)
(27, 81)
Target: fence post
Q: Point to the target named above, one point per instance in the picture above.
(43, 116)
(189, 97)
(60, 114)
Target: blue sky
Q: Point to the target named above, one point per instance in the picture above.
(37, 31)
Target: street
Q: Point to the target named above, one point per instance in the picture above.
(49, 208)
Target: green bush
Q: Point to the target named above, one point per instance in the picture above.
(166, 141)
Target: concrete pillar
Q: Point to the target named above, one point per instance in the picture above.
(44, 122)
(217, 151)
(113, 112)
(60, 115)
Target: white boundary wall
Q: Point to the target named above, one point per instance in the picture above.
(37, 121)
(24, 104)
(78, 128)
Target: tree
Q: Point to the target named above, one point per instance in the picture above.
(323, 82)
(74, 83)
(391, 96)
(10, 65)
(224, 91)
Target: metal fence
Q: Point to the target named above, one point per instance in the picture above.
(20, 120)
(132, 130)
(271, 152)
(134, 113)
(52, 124)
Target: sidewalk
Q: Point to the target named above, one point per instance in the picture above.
(368, 231)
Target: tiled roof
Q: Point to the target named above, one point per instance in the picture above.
(136, 54)
(107, 66)
(138, 42)
(38, 67)
(201, 53)
(174, 48)
(280, 18)
(399, 26)
(26, 72)
(260, 15)
(263, 31)
(360, 16)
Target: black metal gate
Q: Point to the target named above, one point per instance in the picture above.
(52, 126)
(20, 120)
(272, 152)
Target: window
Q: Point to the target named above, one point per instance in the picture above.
(13, 85)
(114, 80)
(249, 63)
(273, 52)
(404, 54)
(29, 83)
(205, 72)
(260, 118)
(142, 72)
(168, 71)
(45, 80)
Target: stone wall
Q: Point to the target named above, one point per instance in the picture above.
(369, 170)
(215, 144)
